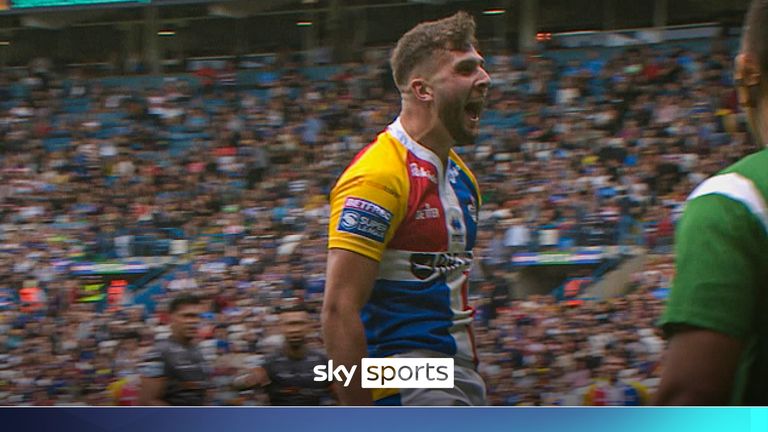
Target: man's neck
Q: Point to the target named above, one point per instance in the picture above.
(181, 340)
(296, 353)
(419, 125)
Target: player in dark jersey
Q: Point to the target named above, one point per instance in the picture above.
(288, 374)
(174, 372)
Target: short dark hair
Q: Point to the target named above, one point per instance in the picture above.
(755, 32)
(183, 300)
(419, 44)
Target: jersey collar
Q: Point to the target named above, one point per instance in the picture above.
(422, 152)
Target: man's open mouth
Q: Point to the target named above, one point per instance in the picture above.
(473, 109)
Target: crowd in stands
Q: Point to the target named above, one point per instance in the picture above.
(231, 181)
(537, 351)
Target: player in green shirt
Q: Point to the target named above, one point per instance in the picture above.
(717, 315)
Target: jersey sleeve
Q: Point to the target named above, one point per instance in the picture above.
(152, 364)
(717, 259)
(269, 366)
(367, 204)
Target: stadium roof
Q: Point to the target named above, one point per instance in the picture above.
(210, 27)
(558, 14)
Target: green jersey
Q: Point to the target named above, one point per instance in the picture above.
(721, 280)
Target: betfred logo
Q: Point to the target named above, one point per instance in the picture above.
(364, 218)
(368, 207)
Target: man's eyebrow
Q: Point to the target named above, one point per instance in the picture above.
(471, 61)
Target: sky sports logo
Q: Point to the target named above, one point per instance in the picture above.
(392, 373)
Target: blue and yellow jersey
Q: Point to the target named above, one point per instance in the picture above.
(398, 205)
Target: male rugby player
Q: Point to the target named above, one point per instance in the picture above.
(404, 221)
(288, 375)
(717, 315)
(175, 372)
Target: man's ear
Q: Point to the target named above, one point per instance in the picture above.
(421, 89)
(747, 77)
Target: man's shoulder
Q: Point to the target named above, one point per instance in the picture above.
(744, 185)
(463, 168)
(161, 346)
(153, 361)
(160, 350)
(312, 355)
(274, 357)
(753, 166)
(745, 180)
(383, 155)
(380, 166)
(459, 162)
(757, 158)
(315, 356)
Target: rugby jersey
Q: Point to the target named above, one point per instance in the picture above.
(396, 204)
(721, 269)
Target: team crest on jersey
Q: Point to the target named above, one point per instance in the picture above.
(364, 218)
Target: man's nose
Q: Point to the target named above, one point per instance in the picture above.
(485, 80)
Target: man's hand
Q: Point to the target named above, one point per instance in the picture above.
(349, 283)
(257, 377)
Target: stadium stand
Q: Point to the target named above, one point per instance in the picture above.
(217, 183)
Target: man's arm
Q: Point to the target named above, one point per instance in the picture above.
(349, 282)
(256, 377)
(153, 378)
(151, 391)
(699, 368)
(711, 309)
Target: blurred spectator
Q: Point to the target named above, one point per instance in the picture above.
(616, 388)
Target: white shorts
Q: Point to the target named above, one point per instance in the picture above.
(468, 388)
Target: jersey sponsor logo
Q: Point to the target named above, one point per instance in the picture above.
(364, 218)
(349, 219)
(431, 265)
(420, 171)
(427, 212)
(367, 207)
